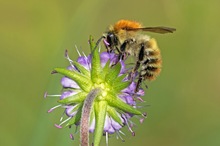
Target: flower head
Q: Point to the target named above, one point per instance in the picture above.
(96, 91)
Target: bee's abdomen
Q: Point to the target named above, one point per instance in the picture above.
(151, 66)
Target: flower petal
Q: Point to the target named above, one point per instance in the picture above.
(107, 125)
(92, 126)
(71, 111)
(104, 57)
(116, 125)
(128, 99)
(68, 93)
(69, 83)
(85, 61)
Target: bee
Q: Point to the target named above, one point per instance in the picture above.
(127, 39)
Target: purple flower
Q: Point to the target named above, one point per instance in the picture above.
(115, 104)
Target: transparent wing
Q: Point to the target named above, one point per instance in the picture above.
(159, 29)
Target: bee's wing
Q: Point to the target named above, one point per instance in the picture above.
(159, 29)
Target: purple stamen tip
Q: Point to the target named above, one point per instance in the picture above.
(45, 94)
(71, 136)
(53, 72)
(66, 53)
(141, 120)
(57, 126)
(144, 115)
(140, 99)
(133, 133)
(50, 110)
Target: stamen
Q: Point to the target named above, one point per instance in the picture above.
(121, 132)
(66, 53)
(129, 128)
(143, 106)
(61, 118)
(106, 137)
(73, 106)
(45, 94)
(57, 126)
(137, 96)
(132, 124)
(87, 61)
(140, 99)
(48, 95)
(144, 115)
(50, 110)
(68, 58)
(71, 136)
(78, 51)
(65, 121)
(84, 55)
(141, 120)
(118, 135)
(133, 134)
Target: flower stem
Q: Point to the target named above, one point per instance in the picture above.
(86, 110)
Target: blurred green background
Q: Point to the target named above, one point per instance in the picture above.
(184, 101)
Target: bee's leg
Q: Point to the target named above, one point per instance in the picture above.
(118, 59)
(121, 52)
(123, 46)
(138, 63)
(131, 75)
(140, 79)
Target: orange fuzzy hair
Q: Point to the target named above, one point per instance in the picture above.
(126, 24)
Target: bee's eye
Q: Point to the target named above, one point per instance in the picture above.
(110, 39)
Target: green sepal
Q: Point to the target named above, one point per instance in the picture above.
(105, 70)
(96, 63)
(120, 86)
(114, 114)
(119, 79)
(82, 69)
(91, 43)
(100, 114)
(71, 122)
(113, 73)
(83, 81)
(77, 98)
(116, 102)
(76, 118)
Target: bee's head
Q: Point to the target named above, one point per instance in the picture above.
(112, 40)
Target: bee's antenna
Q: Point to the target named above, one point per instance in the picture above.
(99, 40)
(97, 43)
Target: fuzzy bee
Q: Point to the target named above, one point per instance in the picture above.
(126, 38)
